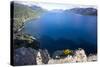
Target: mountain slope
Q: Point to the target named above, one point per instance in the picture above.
(23, 13)
(84, 11)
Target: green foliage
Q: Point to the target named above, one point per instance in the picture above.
(23, 13)
(67, 52)
(25, 40)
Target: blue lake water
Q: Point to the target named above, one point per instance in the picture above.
(60, 30)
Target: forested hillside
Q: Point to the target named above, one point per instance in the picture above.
(84, 11)
(23, 13)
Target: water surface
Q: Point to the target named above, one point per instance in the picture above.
(60, 30)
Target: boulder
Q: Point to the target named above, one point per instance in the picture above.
(80, 55)
(57, 54)
(45, 56)
(92, 58)
(25, 56)
(39, 58)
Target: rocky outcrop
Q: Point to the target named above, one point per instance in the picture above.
(25, 56)
(29, 56)
(92, 58)
(25, 40)
(43, 57)
(39, 59)
(78, 56)
(57, 54)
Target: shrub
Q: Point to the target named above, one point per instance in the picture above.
(67, 52)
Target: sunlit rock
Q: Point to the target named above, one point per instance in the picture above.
(92, 58)
(42, 57)
(80, 56)
(39, 58)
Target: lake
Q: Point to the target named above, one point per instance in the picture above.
(64, 30)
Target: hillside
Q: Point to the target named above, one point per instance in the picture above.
(84, 11)
(23, 13)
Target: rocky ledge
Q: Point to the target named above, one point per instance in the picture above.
(30, 56)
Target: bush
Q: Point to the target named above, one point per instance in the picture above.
(67, 52)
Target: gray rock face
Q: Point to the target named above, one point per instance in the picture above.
(25, 56)
(45, 56)
(92, 58)
(57, 53)
(29, 56)
(80, 56)
(42, 57)
(39, 58)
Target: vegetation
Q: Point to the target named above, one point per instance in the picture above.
(67, 52)
(25, 40)
(23, 13)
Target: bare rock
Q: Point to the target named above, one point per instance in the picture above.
(25, 56)
(80, 55)
(39, 58)
(92, 58)
(42, 57)
(57, 54)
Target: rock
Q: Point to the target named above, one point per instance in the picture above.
(69, 58)
(53, 61)
(29, 56)
(25, 56)
(57, 57)
(80, 56)
(45, 56)
(57, 54)
(25, 40)
(39, 58)
(92, 58)
(42, 57)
